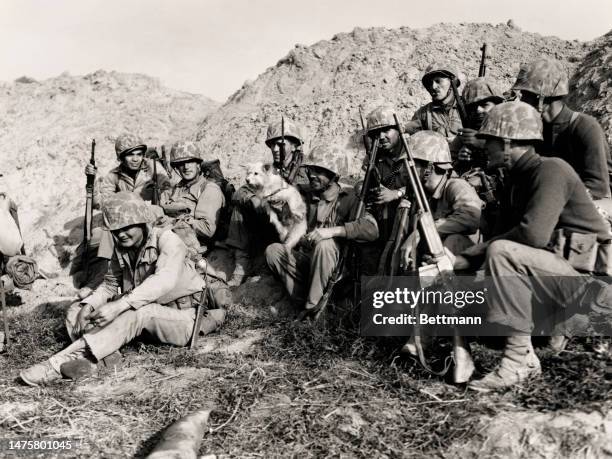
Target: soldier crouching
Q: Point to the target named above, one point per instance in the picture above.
(160, 291)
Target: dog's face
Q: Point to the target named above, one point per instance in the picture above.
(263, 177)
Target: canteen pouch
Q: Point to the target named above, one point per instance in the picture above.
(580, 250)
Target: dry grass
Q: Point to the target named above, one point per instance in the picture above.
(303, 390)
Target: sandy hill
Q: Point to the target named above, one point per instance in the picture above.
(323, 85)
(46, 129)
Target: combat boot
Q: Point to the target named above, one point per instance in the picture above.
(40, 374)
(518, 364)
(241, 266)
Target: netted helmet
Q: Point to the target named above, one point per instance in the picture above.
(513, 121)
(444, 69)
(129, 143)
(324, 156)
(544, 76)
(125, 209)
(185, 151)
(430, 146)
(292, 131)
(481, 89)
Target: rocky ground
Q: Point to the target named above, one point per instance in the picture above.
(279, 388)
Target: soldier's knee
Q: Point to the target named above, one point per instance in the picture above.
(327, 246)
(501, 249)
(274, 252)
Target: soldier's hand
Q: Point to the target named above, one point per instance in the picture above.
(468, 138)
(90, 169)
(82, 319)
(383, 195)
(465, 154)
(108, 312)
(461, 263)
(318, 235)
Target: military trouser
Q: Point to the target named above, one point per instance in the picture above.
(250, 231)
(166, 324)
(304, 273)
(530, 284)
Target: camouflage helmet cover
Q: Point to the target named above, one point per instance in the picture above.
(381, 117)
(326, 157)
(128, 143)
(292, 130)
(544, 76)
(185, 151)
(440, 68)
(125, 209)
(430, 146)
(513, 121)
(480, 89)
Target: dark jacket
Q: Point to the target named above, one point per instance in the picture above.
(543, 195)
(582, 143)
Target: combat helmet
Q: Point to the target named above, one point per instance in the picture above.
(481, 89)
(381, 117)
(431, 147)
(129, 143)
(291, 130)
(545, 77)
(125, 209)
(444, 69)
(183, 151)
(512, 121)
(324, 157)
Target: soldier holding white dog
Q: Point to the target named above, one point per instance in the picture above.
(305, 270)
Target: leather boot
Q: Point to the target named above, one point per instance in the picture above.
(518, 364)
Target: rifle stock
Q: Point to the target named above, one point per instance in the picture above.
(197, 324)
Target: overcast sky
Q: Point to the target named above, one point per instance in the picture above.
(212, 46)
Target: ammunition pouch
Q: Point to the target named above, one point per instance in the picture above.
(582, 251)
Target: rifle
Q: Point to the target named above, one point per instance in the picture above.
(7, 341)
(279, 158)
(482, 71)
(344, 255)
(441, 266)
(155, 156)
(200, 310)
(89, 191)
(463, 115)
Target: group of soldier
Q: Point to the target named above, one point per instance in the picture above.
(520, 190)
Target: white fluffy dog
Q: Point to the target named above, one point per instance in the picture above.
(283, 203)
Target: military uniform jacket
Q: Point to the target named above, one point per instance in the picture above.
(161, 274)
(579, 139)
(335, 208)
(201, 198)
(456, 207)
(440, 118)
(143, 185)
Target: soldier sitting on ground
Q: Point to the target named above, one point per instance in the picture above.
(306, 270)
(250, 231)
(160, 287)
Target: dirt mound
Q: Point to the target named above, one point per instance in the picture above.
(46, 129)
(323, 85)
(591, 85)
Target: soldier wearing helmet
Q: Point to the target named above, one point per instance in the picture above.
(134, 173)
(575, 137)
(307, 269)
(480, 96)
(249, 229)
(540, 244)
(441, 113)
(161, 290)
(195, 201)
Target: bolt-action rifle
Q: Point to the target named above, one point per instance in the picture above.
(358, 213)
(89, 192)
(482, 71)
(440, 268)
(200, 311)
(279, 158)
